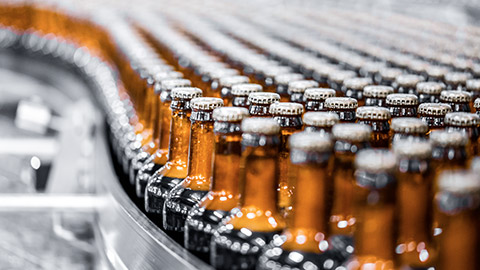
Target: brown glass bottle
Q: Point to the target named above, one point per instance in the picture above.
(296, 90)
(414, 246)
(459, 209)
(225, 85)
(259, 103)
(402, 105)
(457, 80)
(289, 117)
(408, 128)
(458, 100)
(321, 122)
(429, 92)
(240, 93)
(353, 88)
(375, 95)
(315, 98)
(434, 114)
(308, 233)
(344, 106)
(175, 169)
(205, 217)
(196, 185)
(387, 75)
(378, 119)
(159, 144)
(335, 80)
(375, 199)
(256, 221)
(350, 138)
(281, 84)
(407, 83)
(466, 123)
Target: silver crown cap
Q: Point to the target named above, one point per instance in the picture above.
(186, 92)
(390, 73)
(357, 83)
(318, 93)
(409, 125)
(230, 114)
(430, 88)
(266, 126)
(373, 113)
(320, 119)
(232, 80)
(375, 161)
(341, 75)
(455, 96)
(301, 86)
(377, 91)
(473, 85)
(434, 109)
(310, 141)
(402, 100)
(461, 119)
(244, 89)
(286, 108)
(409, 148)
(263, 98)
(460, 182)
(341, 103)
(457, 77)
(206, 103)
(352, 132)
(448, 138)
(287, 78)
(175, 83)
(408, 80)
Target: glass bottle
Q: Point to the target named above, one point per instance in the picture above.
(212, 77)
(375, 95)
(238, 242)
(407, 83)
(374, 199)
(240, 93)
(408, 128)
(296, 90)
(205, 217)
(315, 98)
(466, 123)
(226, 83)
(175, 169)
(434, 114)
(344, 106)
(281, 84)
(306, 238)
(378, 119)
(259, 103)
(402, 105)
(196, 185)
(458, 100)
(353, 88)
(320, 122)
(429, 92)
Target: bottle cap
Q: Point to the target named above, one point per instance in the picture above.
(408, 80)
(402, 100)
(352, 132)
(272, 71)
(448, 138)
(285, 79)
(263, 98)
(341, 75)
(409, 125)
(310, 141)
(301, 86)
(245, 89)
(377, 91)
(436, 71)
(174, 83)
(160, 76)
(459, 182)
(455, 96)
(229, 114)
(286, 108)
(320, 119)
(266, 126)
(340, 103)
(375, 161)
(473, 85)
(430, 88)
(390, 73)
(318, 93)
(229, 81)
(434, 109)
(476, 103)
(186, 92)
(217, 73)
(373, 113)
(357, 83)
(412, 149)
(461, 119)
(457, 77)
(206, 103)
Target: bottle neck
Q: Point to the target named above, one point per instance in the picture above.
(371, 101)
(460, 106)
(200, 157)
(179, 138)
(289, 125)
(259, 110)
(433, 122)
(426, 98)
(403, 111)
(346, 116)
(240, 101)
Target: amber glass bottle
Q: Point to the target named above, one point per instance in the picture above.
(237, 243)
(315, 98)
(429, 92)
(378, 119)
(353, 88)
(191, 190)
(206, 216)
(388, 75)
(308, 233)
(375, 95)
(434, 114)
(407, 83)
(408, 128)
(320, 122)
(225, 85)
(175, 169)
(402, 105)
(157, 111)
(240, 93)
(345, 108)
(296, 90)
(289, 117)
(335, 80)
(375, 189)
(458, 100)
(281, 84)
(259, 103)
(458, 201)
(466, 123)
(457, 80)
(349, 139)
(415, 248)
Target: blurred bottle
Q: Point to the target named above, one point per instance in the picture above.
(375, 95)
(457, 80)
(402, 105)
(433, 114)
(335, 80)
(281, 84)
(225, 85)
(458, 100)
(468, 124)
(408, 128)
(259, 103)
(388, 75)
(378, 119)
(315, 98)
(407, 83)
(344, 106)
(429, 92)
(296, 90)
(240, 93)
(321, 122)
